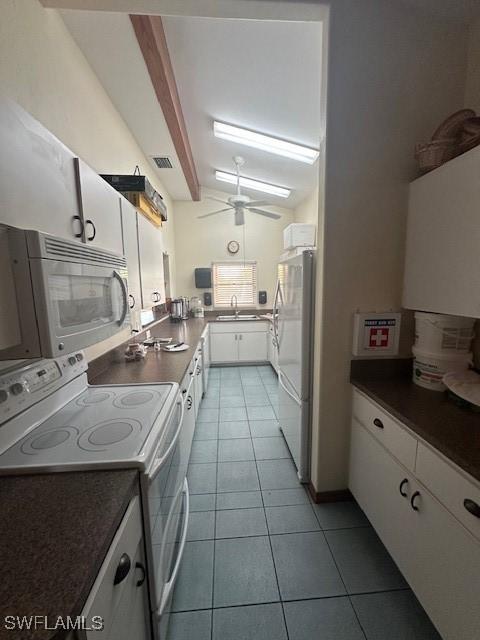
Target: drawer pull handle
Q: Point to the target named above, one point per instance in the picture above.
(404, 483)
(378, 423)
(413, 498)
(472, 507)
(123, 569)
(139, 565)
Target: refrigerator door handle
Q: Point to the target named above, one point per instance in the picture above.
(289, 393)
(275, 314)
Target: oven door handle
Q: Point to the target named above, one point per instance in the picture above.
(167, 590)
(123, 287)
(159, 461)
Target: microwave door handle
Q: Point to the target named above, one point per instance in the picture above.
(123, 286)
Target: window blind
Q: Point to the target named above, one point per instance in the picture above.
(234, 278)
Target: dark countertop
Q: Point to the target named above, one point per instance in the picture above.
(157, 366)
(55, 531)
(452, 430)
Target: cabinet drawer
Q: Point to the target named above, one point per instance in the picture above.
(450, 487)
(393, 437)
(238, 327)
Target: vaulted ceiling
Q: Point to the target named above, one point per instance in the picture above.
(263, 75)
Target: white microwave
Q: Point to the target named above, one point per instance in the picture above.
(57, 295)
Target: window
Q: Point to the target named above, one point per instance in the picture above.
(234, 278)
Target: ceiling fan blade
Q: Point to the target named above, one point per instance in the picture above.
(214, 213)
(216, 199)
(258, 203)
(268, 214)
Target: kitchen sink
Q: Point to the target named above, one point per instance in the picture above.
(240, 316)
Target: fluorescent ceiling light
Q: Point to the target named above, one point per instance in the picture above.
(248, 183)
(266, 143)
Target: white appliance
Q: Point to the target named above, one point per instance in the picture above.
(293, 314)
(60, 295)
(299, 234)
(51, 420)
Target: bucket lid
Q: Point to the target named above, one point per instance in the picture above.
(456, 355)
(442, 317)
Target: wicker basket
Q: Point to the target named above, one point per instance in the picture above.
(435, 153)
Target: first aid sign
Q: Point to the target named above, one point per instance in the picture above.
(376, 334)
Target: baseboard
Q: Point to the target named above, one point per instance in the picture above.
(342, 495)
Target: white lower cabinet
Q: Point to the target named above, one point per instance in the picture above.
(223, 347)
(272, 348)
(439, 558)
(119, 595)
(238, 342)
(252, 347)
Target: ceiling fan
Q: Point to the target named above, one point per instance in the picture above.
(240, 203)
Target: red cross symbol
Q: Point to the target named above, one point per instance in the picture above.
(379, 337)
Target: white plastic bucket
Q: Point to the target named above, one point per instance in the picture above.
(438, 333)
(429, 368)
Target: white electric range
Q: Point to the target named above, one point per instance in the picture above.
(51, 420)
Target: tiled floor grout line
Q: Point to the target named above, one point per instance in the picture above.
(346, 590)
(288, 600)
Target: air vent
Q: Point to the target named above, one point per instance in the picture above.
(163, 162)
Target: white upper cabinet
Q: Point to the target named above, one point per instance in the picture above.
(100, 206)
(442, 266)
(150, 243)
(37, 176)
(130, 250)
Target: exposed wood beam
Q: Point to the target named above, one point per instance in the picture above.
(153, 45)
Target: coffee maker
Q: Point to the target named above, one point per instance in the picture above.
(179, 309)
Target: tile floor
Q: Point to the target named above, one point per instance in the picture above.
(262, 562)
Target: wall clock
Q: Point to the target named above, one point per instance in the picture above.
(233, 246)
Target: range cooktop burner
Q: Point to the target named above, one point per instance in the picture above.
(38, 443)
(134, 399)
(108, 434)
(94, 397)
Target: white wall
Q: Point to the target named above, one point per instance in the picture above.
(200, 242)
(307, 210)
(393, 76)
(43, 70)
(472, 88)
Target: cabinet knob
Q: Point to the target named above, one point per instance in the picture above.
(139, 565)
(472, 507)
(123, 568)
(80, 233)
(94, 233)
(378, 423)
(413, 498)
(404, 483)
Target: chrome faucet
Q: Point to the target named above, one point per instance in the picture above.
(236, 305)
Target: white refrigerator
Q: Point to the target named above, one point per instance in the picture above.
(293, 326)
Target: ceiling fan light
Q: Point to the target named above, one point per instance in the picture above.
(265, 143)
(255, 185)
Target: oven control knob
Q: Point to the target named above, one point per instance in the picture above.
(79, 357)
(16, 389)
(3, 396)
(72, 360)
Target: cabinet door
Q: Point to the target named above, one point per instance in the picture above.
(223, 347)
(252, 347)
(100, 206)
(151, 263)
(130, 250)
(442, 272)
(376, 480)
(446, 578)
(37, 176)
